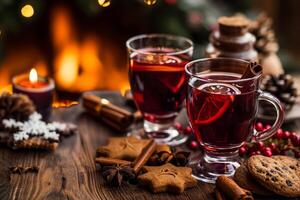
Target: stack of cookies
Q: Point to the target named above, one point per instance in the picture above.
(124, 158)
(270, 176)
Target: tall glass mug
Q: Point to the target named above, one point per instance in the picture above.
(157, 80)
(221, 108)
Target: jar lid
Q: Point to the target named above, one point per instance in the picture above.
(236, 25)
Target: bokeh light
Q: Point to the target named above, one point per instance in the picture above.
(150, 2)
(104, 3)
(27, 11)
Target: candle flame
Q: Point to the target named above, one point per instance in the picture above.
(33, 76)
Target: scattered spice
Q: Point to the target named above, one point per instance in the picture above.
(116, 174)
(124, 170)
(176, 157)
(24, 170)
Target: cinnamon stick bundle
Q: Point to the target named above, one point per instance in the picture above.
(115, 116)
(231, 190)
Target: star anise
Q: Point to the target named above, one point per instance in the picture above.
(176, 157)
(180, 158)
(116, 174)
(23, 170)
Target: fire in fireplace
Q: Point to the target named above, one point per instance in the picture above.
(86, 64)
(79, 57)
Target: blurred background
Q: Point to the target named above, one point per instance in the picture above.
(81, 43)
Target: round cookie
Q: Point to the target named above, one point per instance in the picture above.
(244, 179)
(290, 162)
(274, 175)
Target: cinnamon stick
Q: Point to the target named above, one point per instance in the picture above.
(252, 70)
(111, 114)
(114, 125)
(219, 195)
(232, 190)
(144, 156)
(104, 161)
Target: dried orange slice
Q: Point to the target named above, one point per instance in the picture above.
(219, 97)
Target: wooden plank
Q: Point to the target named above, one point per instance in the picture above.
(70, 171)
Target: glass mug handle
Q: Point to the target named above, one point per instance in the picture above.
(262, 135)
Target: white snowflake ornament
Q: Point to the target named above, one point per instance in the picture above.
(34, 127)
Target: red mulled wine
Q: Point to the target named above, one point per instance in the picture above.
(158, 83)
(221, 113)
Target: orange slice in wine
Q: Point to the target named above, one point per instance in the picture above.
(219, 97)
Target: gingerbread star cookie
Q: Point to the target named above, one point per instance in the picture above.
(167, 178)
(125, 148)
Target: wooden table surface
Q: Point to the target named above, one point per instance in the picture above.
(70, 172)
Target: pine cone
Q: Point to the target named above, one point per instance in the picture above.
(261, 28)
(16, 106)
(282, 87)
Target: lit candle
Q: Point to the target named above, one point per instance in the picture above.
(39, 89)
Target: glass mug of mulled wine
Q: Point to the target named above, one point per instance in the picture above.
(157, 80)
(221, 107)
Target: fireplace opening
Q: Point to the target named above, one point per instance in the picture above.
(81, 52)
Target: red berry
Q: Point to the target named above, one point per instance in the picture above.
(245, 145)
(257, 153)
(259, 126)
(276, 151)
(295, 139)
(293, 134)
(188, 130)
(286, 134)
(253, 153)
(273, 146)
(252, 148)
(242, 151)
(260, 145)
(178, 126)
(297, 154)
(279, 133)
(268, 153)
(267, 127)
(267, 149)
(284, 152)
(193, 144)
(298, 141)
